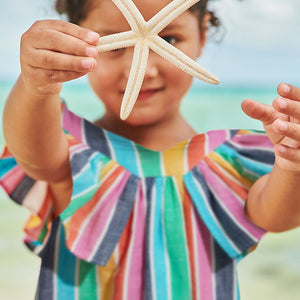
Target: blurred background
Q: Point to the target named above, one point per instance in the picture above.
(259, 48)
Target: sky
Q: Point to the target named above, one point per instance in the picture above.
(261, 44)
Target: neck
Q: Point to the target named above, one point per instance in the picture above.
(158, 136)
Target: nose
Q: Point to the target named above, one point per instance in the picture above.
(152, 65)
(152, 69)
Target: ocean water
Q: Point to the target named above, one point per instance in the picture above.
(206, 107)
(272, 271)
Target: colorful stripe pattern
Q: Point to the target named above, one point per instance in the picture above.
(144, 224)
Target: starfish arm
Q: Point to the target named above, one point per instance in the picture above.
(168, 14)
(136, 77)
(181, 60)
(131, 13)
(116, 41)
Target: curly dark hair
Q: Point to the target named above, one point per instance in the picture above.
(77, 10)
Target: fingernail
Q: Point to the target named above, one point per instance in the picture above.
(91, 52)
(282, 103)
(92, 36)
(285, 88)
(88, 63)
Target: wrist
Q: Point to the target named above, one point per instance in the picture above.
(39, 93)
(286, 169)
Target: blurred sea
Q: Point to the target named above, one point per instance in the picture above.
(271, 272)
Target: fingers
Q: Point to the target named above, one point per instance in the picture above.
(281, 122)
(287, 106)
(289, 91)
(288, 129)
(59, 61)
(290, 107)
(60, 42)
(289, 102)
(61, 37)
(290, 154)
(84, 34)
(54, 52)
(259, 111)
(54, 76)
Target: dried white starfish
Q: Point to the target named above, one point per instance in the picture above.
(144, 36)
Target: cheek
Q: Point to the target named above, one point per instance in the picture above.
(103, 78)
(178, 79)
(105, 83)
(191, 49)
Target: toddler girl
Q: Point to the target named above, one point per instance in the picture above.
(142, 208)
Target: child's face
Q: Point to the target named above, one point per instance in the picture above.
(164, 84)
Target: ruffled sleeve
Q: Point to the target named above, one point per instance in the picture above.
(31, 194)
(102, 199)
(219, 185)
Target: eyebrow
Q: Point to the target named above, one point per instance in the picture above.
(109, 31)
(173, 26)
(104, 31)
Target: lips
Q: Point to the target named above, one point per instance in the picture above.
(147, 93)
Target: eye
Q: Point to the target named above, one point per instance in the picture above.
(170, 39)
(117, 50)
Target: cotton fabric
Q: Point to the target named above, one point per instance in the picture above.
(144, 224)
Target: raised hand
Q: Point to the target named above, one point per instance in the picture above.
(282, 124)
(53, 52)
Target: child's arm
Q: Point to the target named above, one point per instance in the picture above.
(52, 52)
(274, 200)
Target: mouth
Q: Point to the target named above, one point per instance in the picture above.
(148, 93)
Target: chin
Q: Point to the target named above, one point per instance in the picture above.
(136, 119)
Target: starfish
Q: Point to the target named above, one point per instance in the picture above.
(144, 36)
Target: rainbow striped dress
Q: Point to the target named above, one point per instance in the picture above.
(144, 224)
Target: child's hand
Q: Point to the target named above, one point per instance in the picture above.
(53, 52)
(282, 124)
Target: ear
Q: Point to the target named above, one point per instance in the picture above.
(203, 32)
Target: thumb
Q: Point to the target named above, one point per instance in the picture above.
(259, 111)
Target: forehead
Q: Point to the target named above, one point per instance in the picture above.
(148, 8)
(104, 14)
